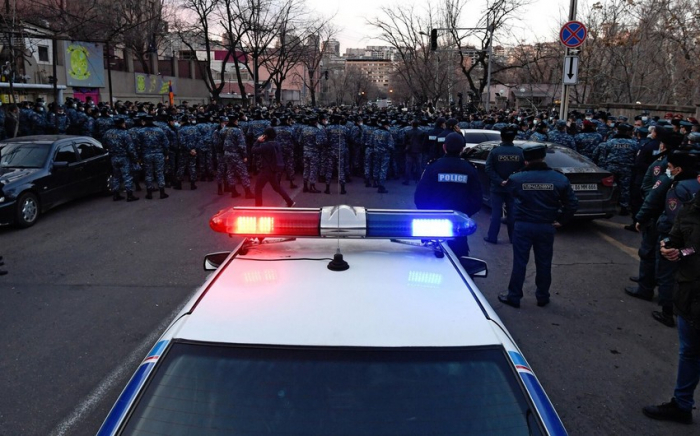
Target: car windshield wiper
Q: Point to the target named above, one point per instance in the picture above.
(15, 166)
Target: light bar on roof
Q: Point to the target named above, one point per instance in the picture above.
(342, 222)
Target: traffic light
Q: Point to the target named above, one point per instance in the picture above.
(433, 39)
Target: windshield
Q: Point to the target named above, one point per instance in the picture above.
(216, 390)
(24, 155)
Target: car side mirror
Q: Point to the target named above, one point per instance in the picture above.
(474, 267)
(213, 261)
(60, 164)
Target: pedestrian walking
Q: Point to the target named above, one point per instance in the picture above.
(271, 166)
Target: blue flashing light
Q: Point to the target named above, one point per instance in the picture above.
(430, 227)
(422, 224)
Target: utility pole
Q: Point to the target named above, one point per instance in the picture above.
(565, 89)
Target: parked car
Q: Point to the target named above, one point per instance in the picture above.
(595, 187)
(38, 173)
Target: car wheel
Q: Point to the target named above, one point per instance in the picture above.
(27, 210)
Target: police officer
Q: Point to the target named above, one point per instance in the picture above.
(188, 140)
(620, 152)
(337, 136)
(413, 139)
(588, 139)
(501, 163)
(235, 155)
(102, 124)
(561, 137)
(313, 137)
(544, 201)
(285, 137)
(451, 183)
(154, 149)
(123, 155)
(383, 145)
(217, 141)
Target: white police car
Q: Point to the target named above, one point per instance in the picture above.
(365, 324)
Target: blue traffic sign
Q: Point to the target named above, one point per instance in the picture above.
(573, 34)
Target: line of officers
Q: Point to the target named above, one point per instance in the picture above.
(169, 150)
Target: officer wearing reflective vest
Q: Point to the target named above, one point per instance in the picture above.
(450, 183)
(544, 201)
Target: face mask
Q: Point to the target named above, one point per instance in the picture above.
(655, 152)
(193, 123)
(177, 124)
(520, 119)
(645, 119)
(535, 122)
(668, 174)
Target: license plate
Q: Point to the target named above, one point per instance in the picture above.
(584, 187)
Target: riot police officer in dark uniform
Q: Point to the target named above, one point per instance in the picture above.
(451, 183)
(544, 201)
(501, 162)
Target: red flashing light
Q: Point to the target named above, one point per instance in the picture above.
(608, 181)
(267, 222)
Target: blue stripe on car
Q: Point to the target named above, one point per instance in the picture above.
(549, 416)
(116, 415)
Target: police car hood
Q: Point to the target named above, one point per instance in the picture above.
(392, 295)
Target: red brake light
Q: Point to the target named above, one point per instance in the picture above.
(608, 181)
(271, 222)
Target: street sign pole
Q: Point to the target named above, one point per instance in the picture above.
(564, 107)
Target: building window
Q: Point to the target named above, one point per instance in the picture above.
(43, 53)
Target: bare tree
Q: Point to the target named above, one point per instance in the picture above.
(406, 29)
(314, 51)
(198, 31)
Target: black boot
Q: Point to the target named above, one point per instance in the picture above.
(368, 184)
(219, 189)
(193, 186)
(177, 185)
(249, 194)
(664, 316)
(342, 189)
(313, 190)
(328, 189)
(306, 187)
(292, 185)
(137, 185)
(163, 194)
(149, 194)
(234, 192)
(382, 189)
(116, 196)
(130, 196)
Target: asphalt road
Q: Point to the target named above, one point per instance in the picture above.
(93, 284)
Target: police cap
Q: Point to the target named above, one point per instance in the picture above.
(451, 123)
(534, 151)
(454, 143)
(643, 130)
(682, 159)
(624, 127)
(223, 119)
(510, 129)
(694, 137)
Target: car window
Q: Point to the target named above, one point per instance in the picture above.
(65, 153)
(24, 155)
(215, 390)
(566, 158)
(87, 150)
(479, 152)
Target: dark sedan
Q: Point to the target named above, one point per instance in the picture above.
(595, 188)
(38, 173)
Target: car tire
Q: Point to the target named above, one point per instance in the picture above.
(27, 210)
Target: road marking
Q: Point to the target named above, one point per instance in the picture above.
(90, 402)
(632, 252)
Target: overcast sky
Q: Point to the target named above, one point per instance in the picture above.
(541, 19)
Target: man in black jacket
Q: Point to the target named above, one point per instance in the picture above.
(271, 166)
(414, 139)
(450, 183)
(683, 247)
